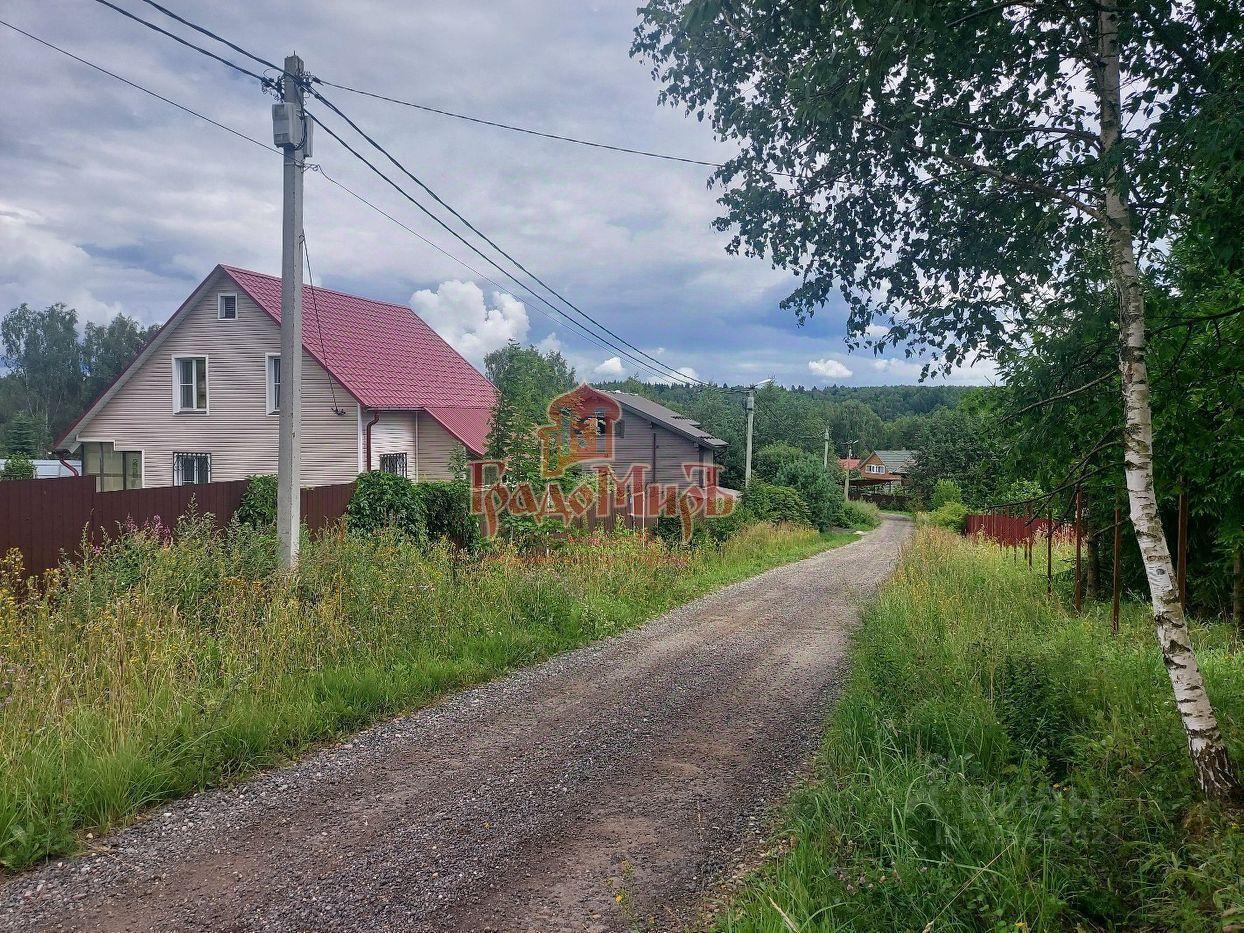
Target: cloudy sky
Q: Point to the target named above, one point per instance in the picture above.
(115, 202)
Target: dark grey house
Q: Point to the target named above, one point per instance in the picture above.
(661, 439)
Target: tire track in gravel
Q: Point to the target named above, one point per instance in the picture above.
(640, 766)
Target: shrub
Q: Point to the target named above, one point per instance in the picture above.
(770, 503)
(258, 506)
(447, 512)
(857, 514)
(945, 491)
(18, 466)
(811, 480)
(952, 515)
(770, 459)
(383, 500)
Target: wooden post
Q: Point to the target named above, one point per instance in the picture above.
(1115, 582)
(1049, 554)
(1181, 573)
(1078, 591)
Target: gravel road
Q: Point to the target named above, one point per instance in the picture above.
(612, 787)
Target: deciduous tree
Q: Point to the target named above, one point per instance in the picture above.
(943, 164)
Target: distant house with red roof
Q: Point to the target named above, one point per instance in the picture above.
(381, 390)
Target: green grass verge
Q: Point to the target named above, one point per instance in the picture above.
(997, 763)
(158, 668)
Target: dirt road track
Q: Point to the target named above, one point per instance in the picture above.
(608, 788)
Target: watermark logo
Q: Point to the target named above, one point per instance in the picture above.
(584, 473)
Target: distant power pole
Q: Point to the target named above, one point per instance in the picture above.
(751, 415)
(827, 447)
(292, 132)
(846, 482)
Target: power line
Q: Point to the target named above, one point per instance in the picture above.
(211, 35)
(527, 130)
(470, 226)
(600, 341)
(139, 87)
(668, 371)
(264, 81)
(319, 169)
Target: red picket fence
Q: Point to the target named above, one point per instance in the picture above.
(45, 519)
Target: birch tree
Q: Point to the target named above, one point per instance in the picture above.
(944, 164)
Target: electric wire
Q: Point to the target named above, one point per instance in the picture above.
(470, 226)
(665, 371)
(592, 338)
(264, 81)
(527, 130)
(681, 379)
(319, 325)
(211, 35)
(139, 87)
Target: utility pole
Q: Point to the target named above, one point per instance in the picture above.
(751, 415)
(846, 480)
(827, 447)
(292, 132)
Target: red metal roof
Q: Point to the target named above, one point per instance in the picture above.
(469, 425)
(384, 355)
(849, 463)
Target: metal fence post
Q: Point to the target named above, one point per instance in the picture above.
(1078, 585)
(1114, 582)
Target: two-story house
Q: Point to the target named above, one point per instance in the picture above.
(381, 390)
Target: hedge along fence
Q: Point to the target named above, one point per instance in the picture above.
(47, 519)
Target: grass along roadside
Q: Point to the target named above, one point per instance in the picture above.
(161, 667)
(996, 763)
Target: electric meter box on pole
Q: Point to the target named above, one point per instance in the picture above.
(289, 129)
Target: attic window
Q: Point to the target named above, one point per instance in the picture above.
(227, 307)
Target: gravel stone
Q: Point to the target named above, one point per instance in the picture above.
(613, 787)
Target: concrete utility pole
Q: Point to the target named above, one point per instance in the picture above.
(827, 447)
(292, 132)
(751, 415)
(846, 482)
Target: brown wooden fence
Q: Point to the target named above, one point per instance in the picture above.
(46, 519)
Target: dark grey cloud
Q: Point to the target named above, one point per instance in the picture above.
(116, 202)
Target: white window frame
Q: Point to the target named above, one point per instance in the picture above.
(273, 398)
(220, 306)
(876, 468)
(207, 386)
(191, 453)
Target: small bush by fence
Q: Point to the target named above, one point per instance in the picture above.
(47, 518)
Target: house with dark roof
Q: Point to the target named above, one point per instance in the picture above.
(381, 390)
(665, 442)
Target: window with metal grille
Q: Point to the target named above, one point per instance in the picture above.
(393, 463)
(191, 468)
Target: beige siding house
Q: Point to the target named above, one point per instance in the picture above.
(380, 391)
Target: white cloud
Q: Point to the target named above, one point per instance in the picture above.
(829, 369)
(876, 330)
(549, 344)
(457, 311)
(611, 368)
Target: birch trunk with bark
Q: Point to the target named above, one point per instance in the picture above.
(1214, 772)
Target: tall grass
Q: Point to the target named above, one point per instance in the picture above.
(162, 665)
(999, 763)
